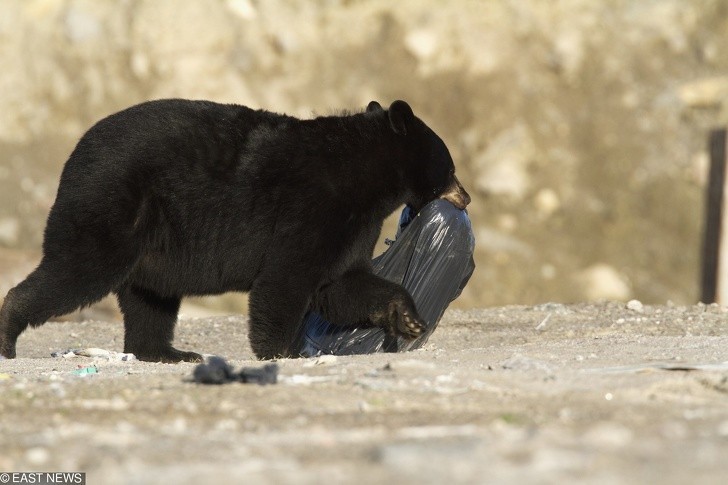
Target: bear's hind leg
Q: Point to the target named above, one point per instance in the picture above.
(149, 321)
(55, 288)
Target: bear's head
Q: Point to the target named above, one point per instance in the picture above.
(430, 171)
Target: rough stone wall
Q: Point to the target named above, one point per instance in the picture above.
(578, 126)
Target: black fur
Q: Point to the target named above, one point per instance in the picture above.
(173, 198)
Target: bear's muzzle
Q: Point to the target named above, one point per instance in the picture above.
(456, 194)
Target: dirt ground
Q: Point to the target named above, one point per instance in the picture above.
(547, 394)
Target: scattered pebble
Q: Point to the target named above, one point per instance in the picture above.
(322, 360)
(635, 306)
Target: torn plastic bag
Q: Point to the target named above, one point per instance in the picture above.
(432, 257)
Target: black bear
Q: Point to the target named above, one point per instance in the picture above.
(171, 198)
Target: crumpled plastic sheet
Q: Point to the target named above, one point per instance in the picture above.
(432, 257)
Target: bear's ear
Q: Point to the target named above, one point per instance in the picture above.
(400, 117)
(374, 106)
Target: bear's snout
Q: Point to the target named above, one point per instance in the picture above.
(456, 194)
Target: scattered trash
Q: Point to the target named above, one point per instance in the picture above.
(324, 359)
(95, 353)
(65, 353)
(268, 374)
(217, 371)
(543, 323)
(84, 371)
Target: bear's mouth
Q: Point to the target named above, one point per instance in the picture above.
(456, 194)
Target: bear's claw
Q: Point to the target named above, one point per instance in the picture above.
(404, 321)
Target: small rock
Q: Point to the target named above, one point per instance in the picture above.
(635, 306)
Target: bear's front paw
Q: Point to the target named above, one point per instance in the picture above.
(169, 356)
(404, 321)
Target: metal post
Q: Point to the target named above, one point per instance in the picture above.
(714, 284)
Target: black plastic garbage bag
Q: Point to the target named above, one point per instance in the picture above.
(432, 257)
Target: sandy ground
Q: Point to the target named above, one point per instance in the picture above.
(548, 394)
